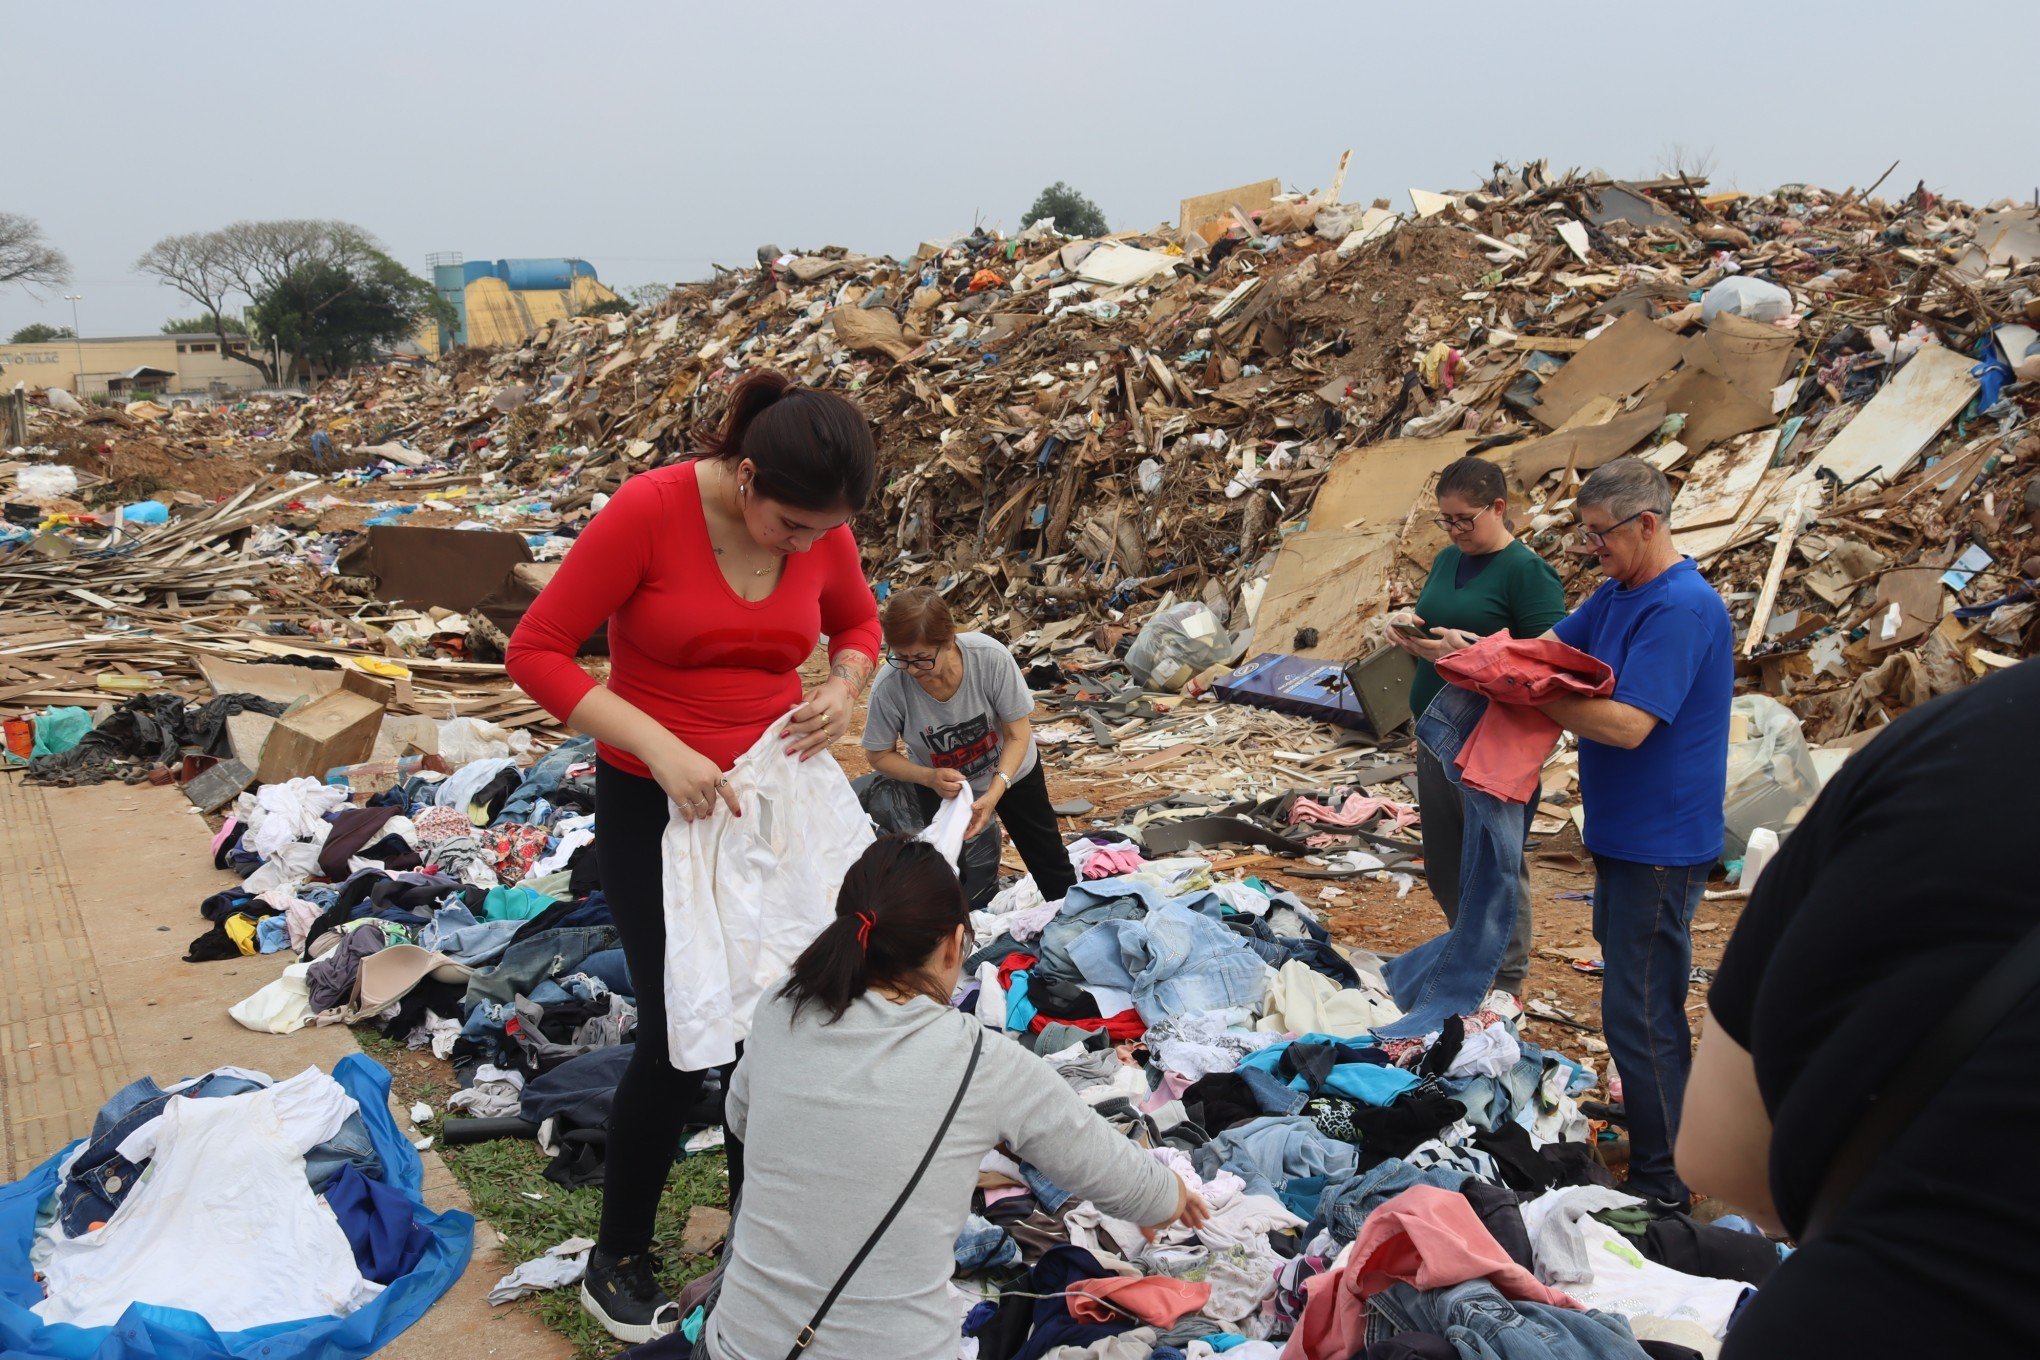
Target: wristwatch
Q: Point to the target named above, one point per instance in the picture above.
(1001, 774)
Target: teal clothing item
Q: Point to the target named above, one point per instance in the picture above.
(513, 904)
(1517, 592)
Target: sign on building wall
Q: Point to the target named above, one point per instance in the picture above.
(11, 357)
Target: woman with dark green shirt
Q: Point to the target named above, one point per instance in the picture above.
(1484, 582)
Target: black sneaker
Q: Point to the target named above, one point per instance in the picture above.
(623, 1294)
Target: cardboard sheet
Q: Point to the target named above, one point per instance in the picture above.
(1208, 215)
(1623, 359)
(1333, 577)
(451, 568)
(1714, 410)
(1583, 446)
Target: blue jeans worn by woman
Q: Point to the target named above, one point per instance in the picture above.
(1643, 921)
(1451, 975)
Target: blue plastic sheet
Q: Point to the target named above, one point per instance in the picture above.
(148, 1332)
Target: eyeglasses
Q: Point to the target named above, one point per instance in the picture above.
(911, 663)
(1451, 522)
(1598, 538)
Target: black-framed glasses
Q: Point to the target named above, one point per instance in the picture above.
(1451, 522)
(911, 663)
(1598, 538)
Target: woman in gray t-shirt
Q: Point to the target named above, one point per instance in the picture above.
(960, 706)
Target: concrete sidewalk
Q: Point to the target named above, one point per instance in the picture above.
(99, 894)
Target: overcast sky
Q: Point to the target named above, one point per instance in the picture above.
(654, 138)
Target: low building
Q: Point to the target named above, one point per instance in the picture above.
(128, 365)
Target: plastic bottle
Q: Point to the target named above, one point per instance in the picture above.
(380, 776)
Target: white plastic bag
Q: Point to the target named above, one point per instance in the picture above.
(462, 741)
(47, 482)
(1176, 645)
(745, 895)
(1771, 774)
(1748, 298)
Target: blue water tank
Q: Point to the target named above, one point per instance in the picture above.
(476, 269)
(548, 274)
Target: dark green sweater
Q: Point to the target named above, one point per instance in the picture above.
(1517, 591)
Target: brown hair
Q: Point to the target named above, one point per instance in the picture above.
(898, 902)
(916, 615)
(813, 450)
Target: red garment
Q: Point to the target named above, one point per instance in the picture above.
(1013, 964)
(1157, 1300)
(1513, 739)
(711, 667)
(1425, 1237)
(1125, 1025)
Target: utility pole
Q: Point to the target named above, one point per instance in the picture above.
(78, 342)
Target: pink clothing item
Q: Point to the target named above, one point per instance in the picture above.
(436, 824)
(1506, 753)
(1425, 1237)
(1357, 810)
(1154, 1299)
(1170, 1087)
(1112, 863)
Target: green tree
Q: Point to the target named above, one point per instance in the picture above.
(330, 314)
(607, 307)
(1074, 214)
(205, 325)
(37, 333)
(648, 294)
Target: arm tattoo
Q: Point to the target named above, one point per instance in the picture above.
(854, 669)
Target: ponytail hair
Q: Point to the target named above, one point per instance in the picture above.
(813, 450)
(898, 902)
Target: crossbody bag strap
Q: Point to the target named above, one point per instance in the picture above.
(1926, 1069)
(807, 1333)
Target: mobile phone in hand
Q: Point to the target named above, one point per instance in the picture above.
(1415, 630)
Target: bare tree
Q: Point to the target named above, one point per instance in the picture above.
(26, 258)
(197, 264)
(1676, 160)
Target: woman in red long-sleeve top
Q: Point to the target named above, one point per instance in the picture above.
(716, 577)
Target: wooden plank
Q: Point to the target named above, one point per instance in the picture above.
(1889, 432)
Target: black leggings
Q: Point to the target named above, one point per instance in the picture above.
(653, 1099)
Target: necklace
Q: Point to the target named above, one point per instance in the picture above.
(755, 571)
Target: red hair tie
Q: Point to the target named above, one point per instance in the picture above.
(865, 921)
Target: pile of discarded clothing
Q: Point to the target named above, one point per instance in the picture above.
(460, 911)
(1366, 1192)
(224, 1211)
(1363, 1185)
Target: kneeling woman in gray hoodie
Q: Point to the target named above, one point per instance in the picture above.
(860, 1080)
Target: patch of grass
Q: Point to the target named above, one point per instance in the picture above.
(506, 1182)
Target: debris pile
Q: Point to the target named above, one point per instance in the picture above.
(1245, 409)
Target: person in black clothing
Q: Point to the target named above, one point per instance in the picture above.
(1909, 878)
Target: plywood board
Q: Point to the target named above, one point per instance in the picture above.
(1889, 432)
(1720, 483)
(1626, 357)
(1207, 215)
(1116, 266)
(1378, 485)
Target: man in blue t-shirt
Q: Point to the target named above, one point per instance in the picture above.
(1653, 773)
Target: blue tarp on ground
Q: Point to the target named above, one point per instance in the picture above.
(148, 1332)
